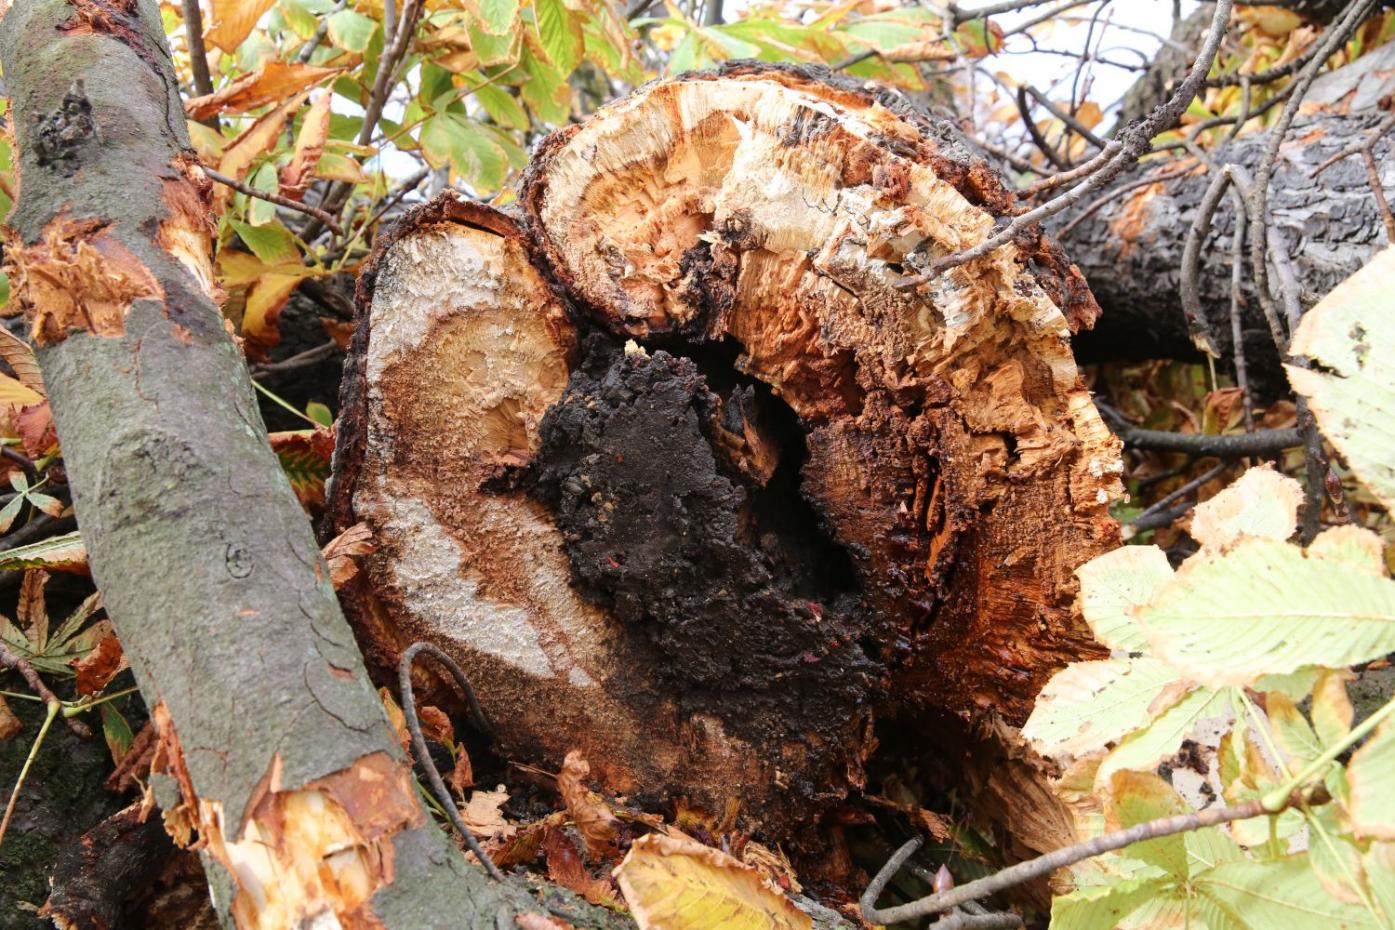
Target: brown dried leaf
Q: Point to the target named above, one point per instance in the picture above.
(341, 331)
(462, 775)
(274, 81)
(309, 144)
(484, 817)
(260, 137)
(593, 818)
(96, 669)
(566, 868)
(32, 610)
(435, 725)
(396, 718)
(35, 427)
(9, 723)
(341, 553)
(20, 357)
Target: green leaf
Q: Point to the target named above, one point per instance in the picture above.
(1379, 865)
(1089, 705)
(1138, 797)
(260, 212)
(49, 505)
(1268, 895)
(320, 413)
(498, 17)
(1335, 856)
(271, 243)
(116, 731)
(1350, 335)
(1265, 608)
(1371, 776)
(1103, 907)
(546, 91)
(502, 107)
(494, 50)
(1293, 735)
(559, 33)
(4, 283)
(1113, 584)
(10, 511)
(60, 553)
(351, 31)
(73, 622)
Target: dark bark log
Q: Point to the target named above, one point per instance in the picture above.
(94, 876)
(705, 559)
(1131, 250)
(278, 750)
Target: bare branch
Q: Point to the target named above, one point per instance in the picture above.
(277, 199)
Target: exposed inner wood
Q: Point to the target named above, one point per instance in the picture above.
(705, 524)
(953, 449)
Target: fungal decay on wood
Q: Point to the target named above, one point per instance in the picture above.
(681, 476)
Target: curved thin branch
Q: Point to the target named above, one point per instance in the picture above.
(409, 710)
(1041, 866)
(1260, 442)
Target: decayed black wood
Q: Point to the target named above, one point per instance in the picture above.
(94, 876)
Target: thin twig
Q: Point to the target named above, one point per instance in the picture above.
(1041, 866)
(319, 34)
(36, 684)
(277, 199)
(1165, 502)
(1112, 196)
(198, 55)
(53, 711)
(1378, 193)
(409, 710)
(300, 360)
(1197, 324)
(1025, 110)
(1237, 334)
(1260, 442)
(1131, 144)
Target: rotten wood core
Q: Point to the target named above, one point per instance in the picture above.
(686, 482)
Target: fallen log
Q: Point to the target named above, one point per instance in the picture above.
(685, 481)
(1130, 248)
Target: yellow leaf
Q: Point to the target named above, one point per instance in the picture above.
(260, 137)
(265, 298)
(675, 884)
(272, 82)
(15, 393)
(309, 143)
(231, 21)
(1088, 114)
(20, 357)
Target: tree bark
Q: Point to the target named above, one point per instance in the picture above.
(722, 494)
(278, 752)
(1131, 249)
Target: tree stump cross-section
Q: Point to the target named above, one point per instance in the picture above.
(685, 479)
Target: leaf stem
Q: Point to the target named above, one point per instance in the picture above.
(1277, 799)
(24, 772)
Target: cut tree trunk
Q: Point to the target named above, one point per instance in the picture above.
(686, 482)
(1131, 249)
(276, 748)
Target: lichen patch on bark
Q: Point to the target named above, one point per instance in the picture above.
(77, 277)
